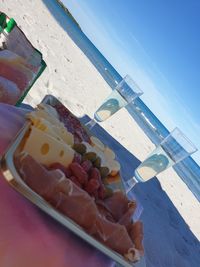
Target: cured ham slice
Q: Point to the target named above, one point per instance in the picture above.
(12, 68)
(136, 234)
(109, 221)
(9, 92)
(61, 192)
(37, 177)
(118, 204)
(114, 235)
(105, 213)
(126, 218)
(17, 74)
(78, 206)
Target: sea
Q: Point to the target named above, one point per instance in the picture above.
(188, 170)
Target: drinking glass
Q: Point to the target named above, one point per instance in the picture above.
(124, 93)
(174, 148)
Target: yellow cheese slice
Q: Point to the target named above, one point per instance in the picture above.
(59, 132)
(46, 149)
(46, 112)
(34, 115)
(66, 136)
(109, 153)
(114, 166)
(46, 119)
(48, 109)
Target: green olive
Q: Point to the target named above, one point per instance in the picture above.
(97, 162)
(90, 156)
(104, 171)
(80, 148)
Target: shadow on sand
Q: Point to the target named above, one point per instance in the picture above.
(168, 240)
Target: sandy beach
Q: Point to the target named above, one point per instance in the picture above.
(72, 78)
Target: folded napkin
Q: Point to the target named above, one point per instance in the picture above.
(28, 237)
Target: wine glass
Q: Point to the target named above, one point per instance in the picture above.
(174, 148)
(124, 93)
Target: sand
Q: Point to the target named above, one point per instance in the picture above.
(72, 78)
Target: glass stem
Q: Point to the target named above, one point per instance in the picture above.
(90, 124)
(130, 184)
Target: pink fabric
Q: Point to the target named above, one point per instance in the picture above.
(28, 237)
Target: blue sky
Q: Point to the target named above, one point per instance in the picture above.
(157, 42)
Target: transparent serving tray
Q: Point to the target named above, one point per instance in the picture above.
(13, 178)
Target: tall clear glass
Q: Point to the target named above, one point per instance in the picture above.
(174, 148)
(124, 93)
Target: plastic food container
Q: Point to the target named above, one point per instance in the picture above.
(15, 180)
(20, 63)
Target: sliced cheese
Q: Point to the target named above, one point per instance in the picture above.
(58, 132)
(46, 112)
(66, 136)
(115, 167)
(46, 149)
(32, 116)
(109, 153)
(48, 109)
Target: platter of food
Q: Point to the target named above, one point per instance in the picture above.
(72, 176)
(21, 63)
